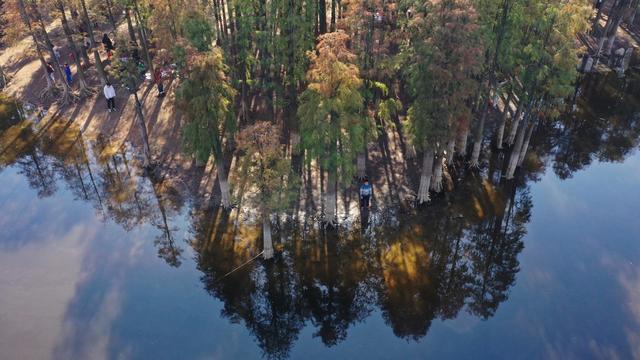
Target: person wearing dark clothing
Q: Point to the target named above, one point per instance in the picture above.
(135, 54)
(50, 71)
(365, 193)
(108, 45)
(67, 73)
(157, 78)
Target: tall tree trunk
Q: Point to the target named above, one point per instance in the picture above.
(84, 89)
(333, 15)
(96, 54)
(330, 200)
(66, 93)
(517, 147)
(142, 35)
(525, 146)
(515, 122)
(462, 137)
(425, 176)
(322, 16)
(267, 243)
(451, 148)
(112, 19)
(361, 165)
(503, 122)
(594, 26)
(477, 144)
(611, 39)
(223, 182)
(436, 183)
(131, 31)
(27, 21)
(172, 18)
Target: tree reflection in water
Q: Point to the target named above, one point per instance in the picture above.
(459, 254)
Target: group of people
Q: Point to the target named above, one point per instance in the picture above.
(66, 70)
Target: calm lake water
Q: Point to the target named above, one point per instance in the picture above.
(99, 262)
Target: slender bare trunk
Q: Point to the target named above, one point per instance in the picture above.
(225, 193)
(330, 200)
(525, 146)
(25, 18)
(517, 148)
(436, 183)
(295, 142)
(515, 122)
(451, 148)
(612, 37)
(84, 88)
(477, 144)
(142, 36)
(132, 33)
(96, 54)
(267, 243)
(112, 19)
(503, 121)
(461, 145)
(361, 164)
(425, 176)
(66, 93)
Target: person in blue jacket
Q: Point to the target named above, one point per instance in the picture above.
(67, 73)
(365, 193)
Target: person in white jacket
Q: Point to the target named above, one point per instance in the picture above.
(110, 94)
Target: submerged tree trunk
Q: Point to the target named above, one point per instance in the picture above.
(267, 243)
(477, 145)
(223, 182)
(503, 122)
(436, 183)
(515, 122)
(517, 148)
(611, 39)
(461, 145)
(525, 146)
(425, 176)
(451, 148)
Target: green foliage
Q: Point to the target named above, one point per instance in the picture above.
(197, 30)
(443, 62)
(333, 128)
(267, 169)
(206, 97)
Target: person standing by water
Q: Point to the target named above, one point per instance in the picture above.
(110, 95)
(157, 77)
(365, 194)
(67, 73)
